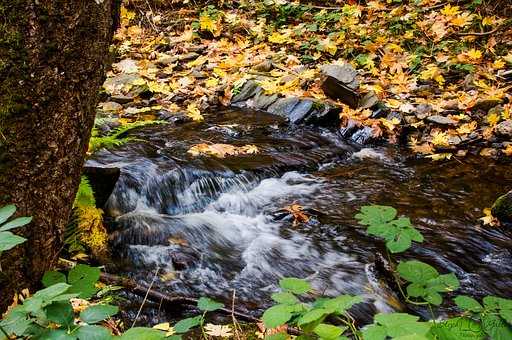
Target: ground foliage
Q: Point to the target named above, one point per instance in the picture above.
(422, 58)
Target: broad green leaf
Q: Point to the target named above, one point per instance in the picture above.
(6, 212)
(185, 325)
(374, 332)
(401, 324)
(496, 327)
(18, 222)
(82, 279)
(414, 234)
(444, 283)
(416, 271)
(277, 315)
(328, 332)
(376, 214)
(15, 322)
(294, 285)
(51, 292)
(60, 312)
(313, 315)
(92, 333)
(416, 289)
(56, 334)
(278, 336)
(458, 328)
(506, 314)
(52, 277)
(143, 333)
(8, 240)
(385, 230)
(468, 303)
(208, 305)
(342, 303)
(395, 318)
(97, 313)
(285, 298)
(400, 243)
(433, 297)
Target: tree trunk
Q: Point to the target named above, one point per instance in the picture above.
(53, 55)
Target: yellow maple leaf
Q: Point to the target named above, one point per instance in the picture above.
(498, 64)
(433, 73)
(450, 10)
(440, 156)
(467, 128)
(278, 38)
(493, 119)
(194, 113)
(440, 138)
(211, 82)
(328, 46)
(462, 20)
(488, 21)
(207, 24)
(474, 54)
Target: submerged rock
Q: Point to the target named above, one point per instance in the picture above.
(502, 208)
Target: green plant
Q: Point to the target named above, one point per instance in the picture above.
(8, 240)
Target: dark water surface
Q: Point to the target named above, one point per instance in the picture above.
(211, 226)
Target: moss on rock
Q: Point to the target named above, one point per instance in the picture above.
(502, 208)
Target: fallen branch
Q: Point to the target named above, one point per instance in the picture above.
(167, 300)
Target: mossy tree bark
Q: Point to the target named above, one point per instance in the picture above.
(53, 54)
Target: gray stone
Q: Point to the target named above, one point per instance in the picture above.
(441, 120)
(300, 111)
(423, 111)
(369, 100)
(166, 60)
(486, 104)
(111, 106)
(248, 90)
(335, 89)
(362, 136)
(126, 66)
(261, 101)
(345, 74)
(113, 85)
(122, 99)
(504, 129)
(284, 106)
(188, 56)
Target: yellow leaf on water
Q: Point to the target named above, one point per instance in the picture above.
(194, 113)
(488, 219)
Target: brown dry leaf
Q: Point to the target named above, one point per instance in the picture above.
(222, 150)
(298, 213)
(79, 305)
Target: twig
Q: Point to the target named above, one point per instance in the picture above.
(479, 34)
(167, 300)
(145, 297)
(236, 326)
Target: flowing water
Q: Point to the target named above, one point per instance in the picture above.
(213, 225)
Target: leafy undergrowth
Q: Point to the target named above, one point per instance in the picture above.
(425, 59)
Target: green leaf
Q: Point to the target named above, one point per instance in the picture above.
(16, 322)
(376, 214)
(277, 336)
(468, 303)
(444, 283)
(400, 243)
(82, 279)
(18, 222)
(56, 334)
(328, 332)
(458, 328)
(416, 271)
(8, 240)
(401, 324)
(506, 314)
(496, 327)
(52, 277)
(97, 313)
(60, 312)
(208, 305)
(285, 298)
(433, 297)
(139, 333)
(92, 333)
(313, 315)
(6, 212)
(277, 315)
(342, 303)
(294, 285)
(51, 292)
(185, 325)
(374, 332)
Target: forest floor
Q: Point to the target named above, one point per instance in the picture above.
(443, 70)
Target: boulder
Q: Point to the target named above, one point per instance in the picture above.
(248, 90)
(283, 106)
(301, 111)
(323, 114)
(262, 101)
(502, 208)
(340, 82)
(504, 129)
(441, 120)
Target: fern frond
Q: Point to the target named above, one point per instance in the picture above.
(85, 195)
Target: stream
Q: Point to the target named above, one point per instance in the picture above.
(212, 225)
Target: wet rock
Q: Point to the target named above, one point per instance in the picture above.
(441, 120)
(115, 84)
(248, 90)
(283, 106)
(300, 111)
(504, 129)
(486, 104)
(122, 99)
(174, 117)
(323, 114)
(502, 208)
(103, 181)
(340, 82)
(362, 136)
(262, 101)
(369, 100)
(188, 56)
(111, 106)
(349, 129)
(423, 111)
